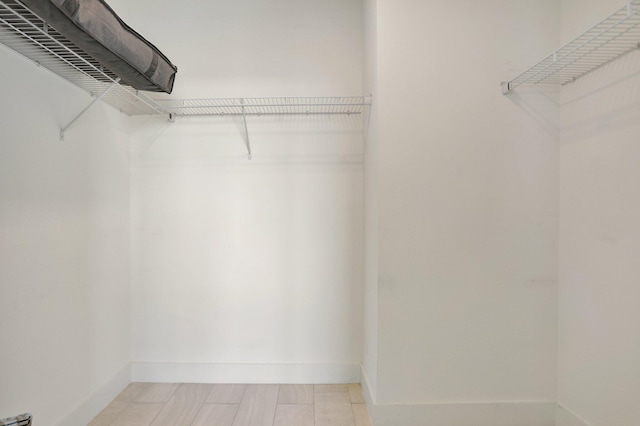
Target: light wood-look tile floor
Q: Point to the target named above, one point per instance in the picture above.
(171, 404)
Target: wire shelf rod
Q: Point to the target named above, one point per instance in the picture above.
(222, 114)
(263, 106)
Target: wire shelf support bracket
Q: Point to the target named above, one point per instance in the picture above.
(610, 39)
(97, 99)
(244, 108)
(246, 130)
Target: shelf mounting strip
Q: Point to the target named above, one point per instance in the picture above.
(615, 36)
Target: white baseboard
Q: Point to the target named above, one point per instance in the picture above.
(452, 414)
(566, 417)
(466, 414)
(94, 403)
(368, 392)
(244, 373)
(519, 413)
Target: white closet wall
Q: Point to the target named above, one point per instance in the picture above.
(64, 249)
(599, 333)
(371, 221)
(253, 48)
(434, 250)
(467, 216)
(249, 271)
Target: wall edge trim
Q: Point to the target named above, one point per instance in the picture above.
(366, 391)
(491, 413)
(84, 412)
(245, 373)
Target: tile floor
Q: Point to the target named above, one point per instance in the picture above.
(171, 404)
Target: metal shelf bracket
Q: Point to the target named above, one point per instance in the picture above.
(96, 100)
(506, 87)
(246, 129)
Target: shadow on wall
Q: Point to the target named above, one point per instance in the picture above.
(333, 139)
(541, 104)
(605, 100)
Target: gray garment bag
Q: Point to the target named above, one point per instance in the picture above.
(96, 29)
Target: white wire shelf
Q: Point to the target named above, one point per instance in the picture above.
(276, 106)
(266, 106)
(27, 34)
(615, 36)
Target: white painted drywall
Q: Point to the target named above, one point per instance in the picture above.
(370, 347)
(467, 186)
(64, 249)
(249, 48)
(599, 333)
(578, 16)
(251, 262)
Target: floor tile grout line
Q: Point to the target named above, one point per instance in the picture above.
(295, 403)
(313, 398)
(210, 393)
(353, 414)
(130, 402)
(167, 401)
(201, 405)
(273, 421)
(127, 403)
(161, 408)
(174, 390)
(244, 392)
